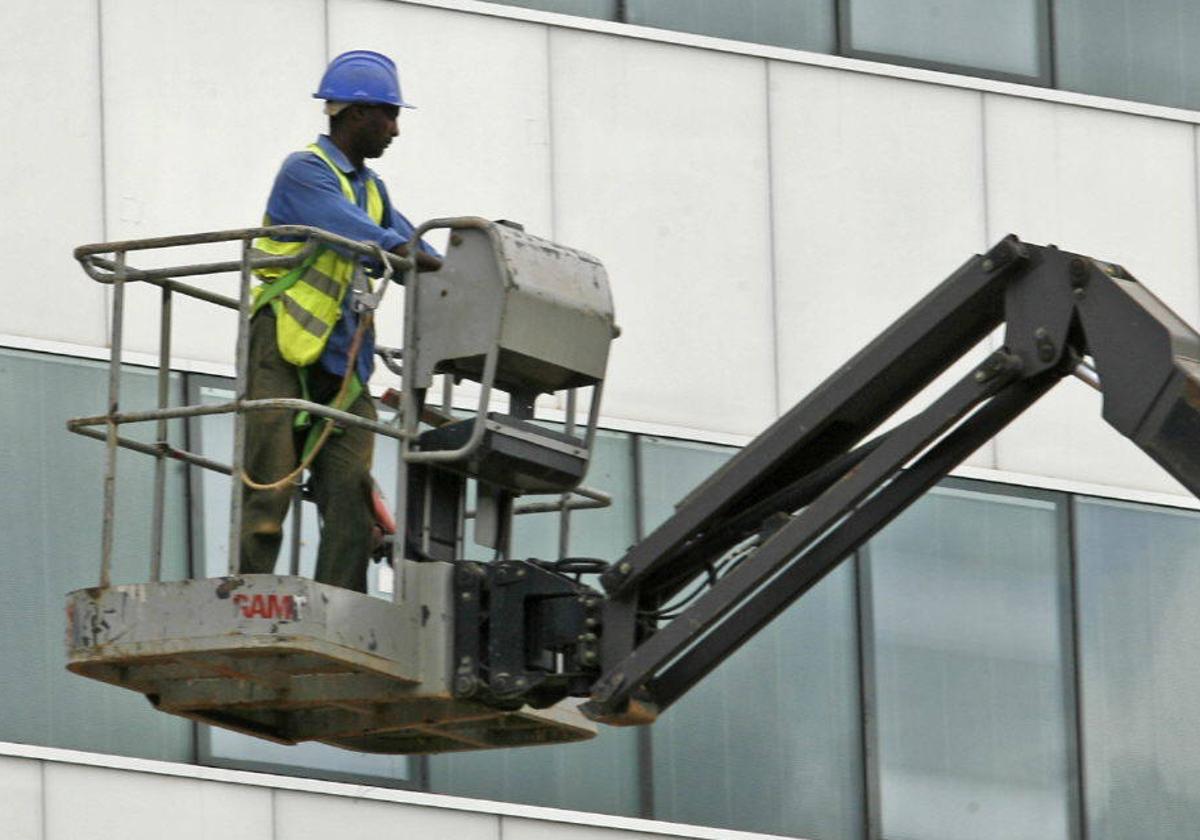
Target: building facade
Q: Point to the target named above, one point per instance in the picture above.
(769, 185)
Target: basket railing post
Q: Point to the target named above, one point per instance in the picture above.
(239, 417)
(161, 431)
(297, 525)
(408, 421)
(114, 400)
(564, 516)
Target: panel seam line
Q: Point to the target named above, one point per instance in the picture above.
(103, 151)
(325, 9)
(1196, 199)
(550, 146)
(993, 444)
(772, 239)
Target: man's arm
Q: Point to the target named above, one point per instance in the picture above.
(306, 192)
(428, 259)
(425, 260)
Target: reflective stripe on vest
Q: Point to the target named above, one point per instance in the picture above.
(307, 321)
(308, 300)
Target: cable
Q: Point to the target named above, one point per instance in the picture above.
(581, 566)
(716, 571)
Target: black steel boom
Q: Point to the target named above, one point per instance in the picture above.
(811, 489)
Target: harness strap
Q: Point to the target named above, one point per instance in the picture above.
(279, 285)
(303, 420)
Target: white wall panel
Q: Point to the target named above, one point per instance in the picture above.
(106, 804)
(50, 185)
(1114, 186)
(301, 816)
(878, 196)
(660, 171)
(202, 103)
(478, 142)
(20, 798)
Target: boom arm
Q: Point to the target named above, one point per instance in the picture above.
(1057, 307)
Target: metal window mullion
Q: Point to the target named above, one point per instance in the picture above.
(192, 492)
(114, 394)
(645, 737)
(161, 431)
(1047, 54)
(841, 23)
(868, 695)
(193, 559)
(1073, 674)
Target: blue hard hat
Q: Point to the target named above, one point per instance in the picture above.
(362, 76)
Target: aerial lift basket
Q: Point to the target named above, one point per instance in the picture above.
(286, 658)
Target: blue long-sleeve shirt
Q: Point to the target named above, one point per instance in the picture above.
(306, 192)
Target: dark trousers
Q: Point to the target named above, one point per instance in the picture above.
(341, 472)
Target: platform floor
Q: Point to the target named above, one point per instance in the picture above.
(291, 660)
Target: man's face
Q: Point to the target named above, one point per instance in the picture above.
(377, 127)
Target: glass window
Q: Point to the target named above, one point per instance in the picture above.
(981, 37)
(1138, 586)
(50, 514)
(670, 470)
(604, 9)
(802, 24)
(599, 775)
(770, 740)
(1133, 49)
(966, 599)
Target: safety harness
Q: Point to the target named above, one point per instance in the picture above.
(307, 302)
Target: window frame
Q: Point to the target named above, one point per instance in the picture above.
(1045, 51)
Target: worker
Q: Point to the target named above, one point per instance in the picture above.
(303, 330)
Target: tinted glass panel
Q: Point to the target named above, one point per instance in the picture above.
(969, 665)
(1139, 583)
(770, 740)
(802, 24)
(606, 9)
(50, 518)
(983, 34)
(1133, 49)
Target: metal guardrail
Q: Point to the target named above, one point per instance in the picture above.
(107, 263)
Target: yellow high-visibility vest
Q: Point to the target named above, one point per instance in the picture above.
(310, 302)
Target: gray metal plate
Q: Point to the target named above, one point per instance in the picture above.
(290, 660)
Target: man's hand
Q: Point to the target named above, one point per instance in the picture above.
(425, 262)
